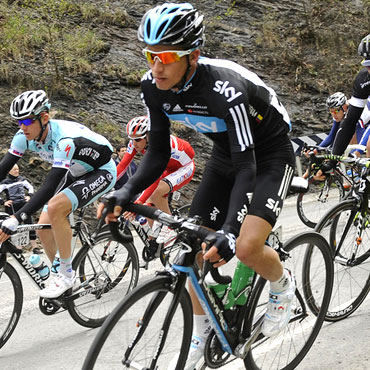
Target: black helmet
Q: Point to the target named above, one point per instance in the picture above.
(172, 24)
(336, 100)
(364, 50)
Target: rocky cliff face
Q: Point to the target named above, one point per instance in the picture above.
(276, 39)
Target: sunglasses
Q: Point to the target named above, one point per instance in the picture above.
(27, 121)
(335, 111)
(137, 139)
(165, 57)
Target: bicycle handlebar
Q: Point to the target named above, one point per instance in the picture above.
(180, 223)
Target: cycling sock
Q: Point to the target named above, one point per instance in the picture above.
(281, 284)
(66, 267)
(201, 326)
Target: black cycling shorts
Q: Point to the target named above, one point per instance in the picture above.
(274, 174)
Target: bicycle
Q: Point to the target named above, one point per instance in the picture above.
(151, 249)
(106, 270)
(154, 322)
(322, 194)
(347, 227)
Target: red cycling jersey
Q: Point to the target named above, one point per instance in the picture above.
(182, 155)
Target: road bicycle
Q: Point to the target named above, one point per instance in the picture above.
(347, 228)
(106, 270)
(153, 323)
(322, 194)
(151, 249)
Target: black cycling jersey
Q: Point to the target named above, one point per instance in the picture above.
(360, 93)
(232, 106)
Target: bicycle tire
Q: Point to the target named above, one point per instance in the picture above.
(111, 266)
(351, 282)
(121, 327)
(313, 205)
(11, 307)
(287, 349)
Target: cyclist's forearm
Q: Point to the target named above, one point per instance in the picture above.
(346, 130)
(6, 164)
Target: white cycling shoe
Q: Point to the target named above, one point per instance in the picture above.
(279, 309)
(166, 236)
(196, 353)
(58, 285)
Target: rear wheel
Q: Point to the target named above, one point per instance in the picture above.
(105, 273)
(287, 349)
(131, 336)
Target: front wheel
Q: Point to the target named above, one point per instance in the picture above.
(149, 329)
(287, 349)
(321, 196)
(105, 272)
(348, 233)
(11, 302)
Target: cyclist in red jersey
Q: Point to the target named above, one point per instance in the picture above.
(179, 170)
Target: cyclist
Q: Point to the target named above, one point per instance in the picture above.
(358, 109)
(249, 172)
(338, 105)
(82, 170)
(179, 170)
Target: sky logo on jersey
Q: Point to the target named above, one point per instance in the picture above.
(199, 123)
(222, 88)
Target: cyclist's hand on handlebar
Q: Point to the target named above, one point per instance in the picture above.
(222, 247)
(131, 215)
(8, 227)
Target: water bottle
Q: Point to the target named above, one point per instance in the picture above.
(243, 278)
(144, 223)
(38, 264)
(223, 291)
(55, 266)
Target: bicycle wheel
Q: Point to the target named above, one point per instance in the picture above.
(322, 196)
(11, 303)
(287, 349)
(351, 250)
(105, 273)
(130, 337)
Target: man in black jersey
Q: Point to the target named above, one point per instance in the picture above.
(357, 103)
(248, 175)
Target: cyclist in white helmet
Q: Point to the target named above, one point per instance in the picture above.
(82, 170)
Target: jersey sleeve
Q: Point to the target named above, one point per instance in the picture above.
(365, 115)
(19, 144)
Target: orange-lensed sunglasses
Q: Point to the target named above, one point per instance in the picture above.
(166, 56)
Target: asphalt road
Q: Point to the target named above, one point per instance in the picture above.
(56, 342)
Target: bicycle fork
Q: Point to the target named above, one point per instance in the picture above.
(143, 322)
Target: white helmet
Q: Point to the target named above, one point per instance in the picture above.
(29, 103)
(137, 127)
(336, 100)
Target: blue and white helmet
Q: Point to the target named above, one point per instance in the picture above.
(172, 24)
(29, 103)
(364, 50)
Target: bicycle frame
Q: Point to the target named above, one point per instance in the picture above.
(8, 247)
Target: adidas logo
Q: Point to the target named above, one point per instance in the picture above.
(177, 108)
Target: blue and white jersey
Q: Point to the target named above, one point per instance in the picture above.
(68, 145)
